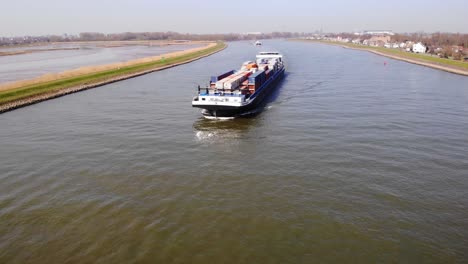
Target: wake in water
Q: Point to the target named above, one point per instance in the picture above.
(299, 92)
(248, 114)
(219, 117)
(225, 131)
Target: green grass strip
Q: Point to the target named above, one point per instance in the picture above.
(56, 85)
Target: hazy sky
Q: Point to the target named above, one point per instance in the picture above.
(40, 17)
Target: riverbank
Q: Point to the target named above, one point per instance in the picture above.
(19, 94)
(452, 66)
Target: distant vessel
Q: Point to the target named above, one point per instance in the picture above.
(239, 91)
(258, 43)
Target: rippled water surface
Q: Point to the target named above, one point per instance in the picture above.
(352, 161)
(72, 56)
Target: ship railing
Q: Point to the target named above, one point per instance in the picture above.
(217, 92)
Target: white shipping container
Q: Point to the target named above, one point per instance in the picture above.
(231, 85)
(219, 84)
(235, 80)
(228, 85)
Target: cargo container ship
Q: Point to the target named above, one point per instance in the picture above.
(236, 92)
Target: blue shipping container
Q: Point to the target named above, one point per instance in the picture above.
(256, 76)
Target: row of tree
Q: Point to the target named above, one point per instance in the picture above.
(447, 45)
(438, 39)
(91, 36)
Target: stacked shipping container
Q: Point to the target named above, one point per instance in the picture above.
(214, 79)
(245, 79)
(236, 81)
(222, 76)
(256, 80)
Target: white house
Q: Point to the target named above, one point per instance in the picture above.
(419, 48)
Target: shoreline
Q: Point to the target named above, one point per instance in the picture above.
(396, 57)
(43, 96)
(414, 61)
(108, 42)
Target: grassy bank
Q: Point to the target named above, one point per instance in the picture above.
(424, 59)
(27, 91)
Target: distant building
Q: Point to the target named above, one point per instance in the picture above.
(391, 45)
(375, 33)
(378, 40)
(419, 48)
(384, 39)
(457, 49)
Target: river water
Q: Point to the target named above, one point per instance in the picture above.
(72, 56)
(356, 159)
